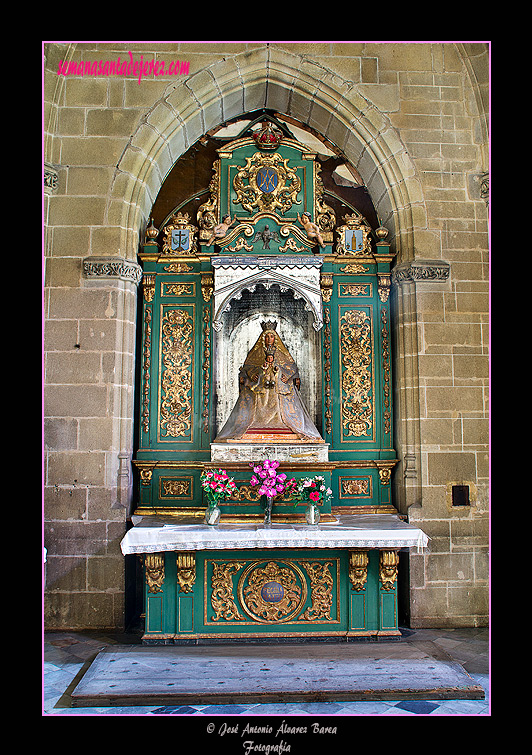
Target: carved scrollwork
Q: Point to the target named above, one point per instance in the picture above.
(207, 215)
(176, 488)
(386, 390)
(206, 368)
(176, 385)
(146, 366)
(328, 367)
(356, 486)
(321, 584)
(356, 355)
(355, 289)
(245, 493)
(222, 599)
(325, 215)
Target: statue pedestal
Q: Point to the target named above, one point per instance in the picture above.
(303, 453)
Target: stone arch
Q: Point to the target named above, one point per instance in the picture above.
(285, 82)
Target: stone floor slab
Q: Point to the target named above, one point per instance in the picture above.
(212, 675)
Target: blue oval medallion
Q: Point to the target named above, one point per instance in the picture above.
(267, 180)
(272, 592)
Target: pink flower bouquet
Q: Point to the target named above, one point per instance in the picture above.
(271, 483)
(217, 486)
(312, 491)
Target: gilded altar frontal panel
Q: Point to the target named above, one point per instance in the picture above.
(297, 592)
(263, 593)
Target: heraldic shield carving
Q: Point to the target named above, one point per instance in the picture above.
(179, 236)
(266, 183)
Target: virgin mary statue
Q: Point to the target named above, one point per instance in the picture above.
(269, 401)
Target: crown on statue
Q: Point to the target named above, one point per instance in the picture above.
(269, 325)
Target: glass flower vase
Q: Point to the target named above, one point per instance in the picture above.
(312, 514)
(212, 515)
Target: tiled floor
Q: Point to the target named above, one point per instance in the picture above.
(67, 656)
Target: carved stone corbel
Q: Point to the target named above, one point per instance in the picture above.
(102, 268)
(420, 271)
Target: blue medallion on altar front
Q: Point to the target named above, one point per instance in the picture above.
(272, 592)
(267, 179)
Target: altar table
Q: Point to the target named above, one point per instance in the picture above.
(247, 582)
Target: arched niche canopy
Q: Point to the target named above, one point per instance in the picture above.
(233, 275)
(241, 324)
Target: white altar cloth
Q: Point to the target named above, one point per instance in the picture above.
(352, 531)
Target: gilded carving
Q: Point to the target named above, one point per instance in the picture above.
(355, 349)
(384, 286)
(357, 486)
(240, 245)
(385, 370)
(178, 267)
(291, 246)
(146, 365)
(328, 365)
(222, 599)
(154, 565)
(321, 583)
(186, 571)
(148, 285)
(207, 216)
(385, 473)
(245, 493)
(207, 286)
(326, 285)
(266, 183)
(358, 569)
(355, 289)
(175, 487)
(145, 476)
(325, 215)
(272, 593)
(178, 289)
(354, 269)
(388, 567)
(206, 366)
(176, 385)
